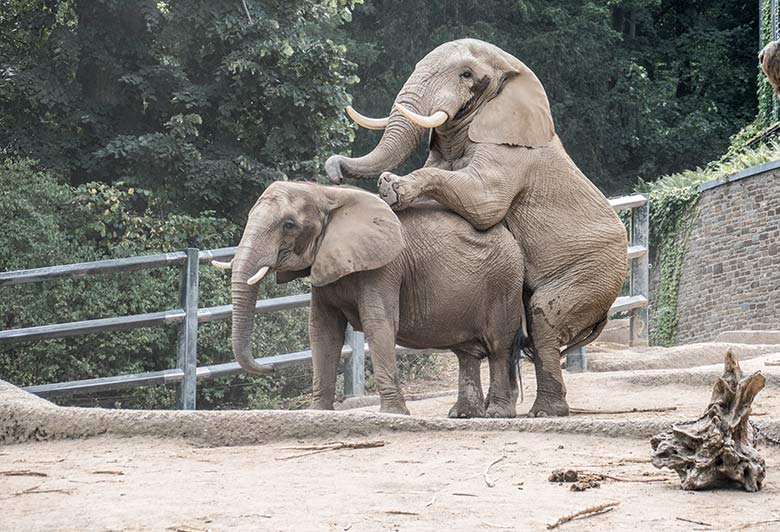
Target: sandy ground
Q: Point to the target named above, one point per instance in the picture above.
(416, 481)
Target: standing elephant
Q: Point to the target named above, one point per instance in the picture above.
(423, 279)
(494, 157)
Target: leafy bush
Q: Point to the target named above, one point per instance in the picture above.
(47, 222)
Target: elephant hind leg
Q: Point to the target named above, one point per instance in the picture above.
(502, 396)
(544, 316)
(471, 402)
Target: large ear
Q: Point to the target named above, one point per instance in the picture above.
(519, 114)
(362, 233)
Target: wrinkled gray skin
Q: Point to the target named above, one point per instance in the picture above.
(423, 279)
(497, 159)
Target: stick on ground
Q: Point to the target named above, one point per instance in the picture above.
(22, 473)
(331, 446)
(692, 521)
(587, 512)
(486, 474)
(628, 411)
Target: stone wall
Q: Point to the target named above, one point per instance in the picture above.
(731, 270)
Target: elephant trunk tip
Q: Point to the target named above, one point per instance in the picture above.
(250, 365)
(333, 169)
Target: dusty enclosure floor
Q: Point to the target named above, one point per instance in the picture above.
(414, 482)
(420, 479)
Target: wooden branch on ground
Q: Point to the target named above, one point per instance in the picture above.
(587, 512)
(692, 521)
(22, 473)
(331, 446)
(581, 411)
(35, 490)
(486, 474)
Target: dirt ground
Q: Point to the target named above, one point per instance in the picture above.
(418, 480)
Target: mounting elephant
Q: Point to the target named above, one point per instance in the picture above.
(494, 157)
(422, 279)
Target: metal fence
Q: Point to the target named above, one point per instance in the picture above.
(188, 316)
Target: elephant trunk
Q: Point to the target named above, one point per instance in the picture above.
(398, 141)
(244, 295)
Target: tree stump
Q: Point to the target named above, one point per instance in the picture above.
(718, 447)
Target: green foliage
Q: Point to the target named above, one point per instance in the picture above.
(637, 87)
(188, 99)
(48, 222)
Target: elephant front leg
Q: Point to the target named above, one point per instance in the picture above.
(471, 402)
(381, 340)
(326, 335)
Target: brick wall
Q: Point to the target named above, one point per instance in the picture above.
(731, 270)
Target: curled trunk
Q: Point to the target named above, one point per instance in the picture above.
(398, 141)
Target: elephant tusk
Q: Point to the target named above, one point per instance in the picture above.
(430, 122)
(366, 122)
(256, 278)
(222, 265)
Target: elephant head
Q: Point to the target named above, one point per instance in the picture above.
(299, 228)
(461, 84)
(769, 61)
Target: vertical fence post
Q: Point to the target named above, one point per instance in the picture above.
(640, 282)
(355, 364)
(187, 343)
(577, 360)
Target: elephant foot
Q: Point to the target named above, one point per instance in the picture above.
(499, 410)
(321, 405)
(397, 192)
(394, 409)
(465, 409)
(549, 407)
(388, 188)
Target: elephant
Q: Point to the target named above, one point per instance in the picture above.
(494, 157)
(769, 60)
(424, 278)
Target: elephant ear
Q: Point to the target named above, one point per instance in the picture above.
(519, 115)
(362, 233)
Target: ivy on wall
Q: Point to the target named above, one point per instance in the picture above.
(673, 202)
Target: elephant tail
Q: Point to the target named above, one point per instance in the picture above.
(519, 345)
(592, 335)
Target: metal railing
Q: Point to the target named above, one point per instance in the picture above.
(188, 316)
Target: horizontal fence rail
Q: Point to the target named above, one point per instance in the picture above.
(188, 316)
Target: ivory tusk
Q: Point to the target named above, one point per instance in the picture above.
(366, 122)
(222, 265)
(256, 278)
(430, 122)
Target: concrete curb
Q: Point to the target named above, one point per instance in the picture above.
(24, 417)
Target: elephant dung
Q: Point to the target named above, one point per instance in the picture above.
(718, 447)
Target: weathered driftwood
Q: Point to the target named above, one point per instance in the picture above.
(717, 447)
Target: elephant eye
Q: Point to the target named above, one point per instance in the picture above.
(466, 74)
(289, 225)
